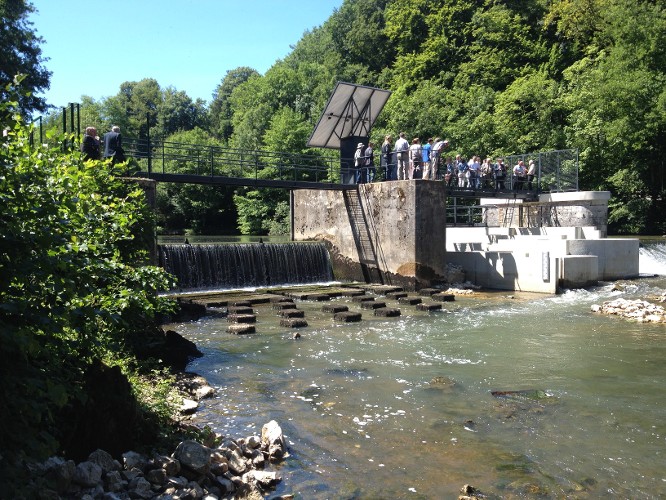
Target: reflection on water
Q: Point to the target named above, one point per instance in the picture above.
(402, 407)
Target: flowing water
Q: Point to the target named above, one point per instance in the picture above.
(403, 407)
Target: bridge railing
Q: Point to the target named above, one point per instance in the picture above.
(214, 161)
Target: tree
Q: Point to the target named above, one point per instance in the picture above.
(220, 111)
(177, 112)
(20, 54)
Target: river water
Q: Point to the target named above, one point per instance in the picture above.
(403, 407)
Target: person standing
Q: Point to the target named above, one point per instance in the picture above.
(401, 149)
(531, 172)
(389, 166)
(113, 145)
(500, 174)
(428, 173)
(370, 169)
(519, 174)
(415, 155)
(359, 164)
(90, 144)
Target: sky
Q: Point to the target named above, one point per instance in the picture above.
(95, 46)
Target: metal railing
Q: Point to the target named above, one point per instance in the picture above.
(214, 161)
(557, 170)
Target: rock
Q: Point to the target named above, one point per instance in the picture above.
(429, 307)
(59, 473)
(105, 461)
(411, 301)
(396, 295)
(240, 310)
(237, 463)
(87, 474)
(292, 313)
(347, 317)
(334, 308)
(387, 312)
(241, 329)
(372, 305)
(114, 482)
(193, 456)
(272, 440)
(444, 297)
(296, 336)
(293, 322)
(253, 442)
(427, 292)
(319, 297)
(157, 476)
(263, 479)
(140, 488)
(241, 318)
(362, 298)
(188, 407)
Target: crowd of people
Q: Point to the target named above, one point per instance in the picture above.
(427, 160)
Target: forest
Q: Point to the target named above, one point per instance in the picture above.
(494, 77)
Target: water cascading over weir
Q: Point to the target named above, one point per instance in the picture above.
(199, 267)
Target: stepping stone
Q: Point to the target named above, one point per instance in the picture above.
(429, 307)
(292, 313)
(428, 291)
(217, 304)
(334, 308)
(396, 295)
(293, 322)
(240, 310)
(410, 301)
(319, 297)
(280, 298)
(284, 305)
(241, 329)
(362, 298)
(347, 317)
(444, 297)
(242, 303)
(241, 318)
(387, 312)
(372, 305)
(352, 292)
(384, 289)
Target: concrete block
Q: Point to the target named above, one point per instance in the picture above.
(347, 317)
(387, 312)
(334, 308)
(578, 271)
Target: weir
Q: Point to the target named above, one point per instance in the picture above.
(246, 265)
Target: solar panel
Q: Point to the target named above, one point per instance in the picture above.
(350, 112)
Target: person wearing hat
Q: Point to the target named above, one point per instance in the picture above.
(359, 163)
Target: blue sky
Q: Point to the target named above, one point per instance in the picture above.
(95, 46)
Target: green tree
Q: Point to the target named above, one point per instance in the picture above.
(220, 111)
(75, 286)
(20, 54)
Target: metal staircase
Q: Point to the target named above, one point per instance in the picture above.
(365, 238)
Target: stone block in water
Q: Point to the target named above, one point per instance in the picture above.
(242, 303)
(429, 307)
(387, 312)
(241, 318)
(396, 295)
(280, 298)
(319, 297)
(284, 305)
(293, 322)
(334, 308)
(241, 329)
(426, 292)
(292, 313)
(240, 310)
(444, 297)
(347, 317)
(383, 289)
(362, 298)
(410, 301)
(351, 292)
(372, 305)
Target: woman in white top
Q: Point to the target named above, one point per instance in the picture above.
(415, 158)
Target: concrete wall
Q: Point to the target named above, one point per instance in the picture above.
(406, 225)
(618, 257)
(571, 209)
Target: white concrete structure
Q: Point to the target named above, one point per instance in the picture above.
(544, 258)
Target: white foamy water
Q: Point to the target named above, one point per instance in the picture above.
(652, 259)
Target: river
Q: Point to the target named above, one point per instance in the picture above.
(403, 407)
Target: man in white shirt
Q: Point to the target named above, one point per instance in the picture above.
(401, 149)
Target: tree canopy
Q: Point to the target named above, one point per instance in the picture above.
(492, 77)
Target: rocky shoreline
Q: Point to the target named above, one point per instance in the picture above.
(220, 467)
